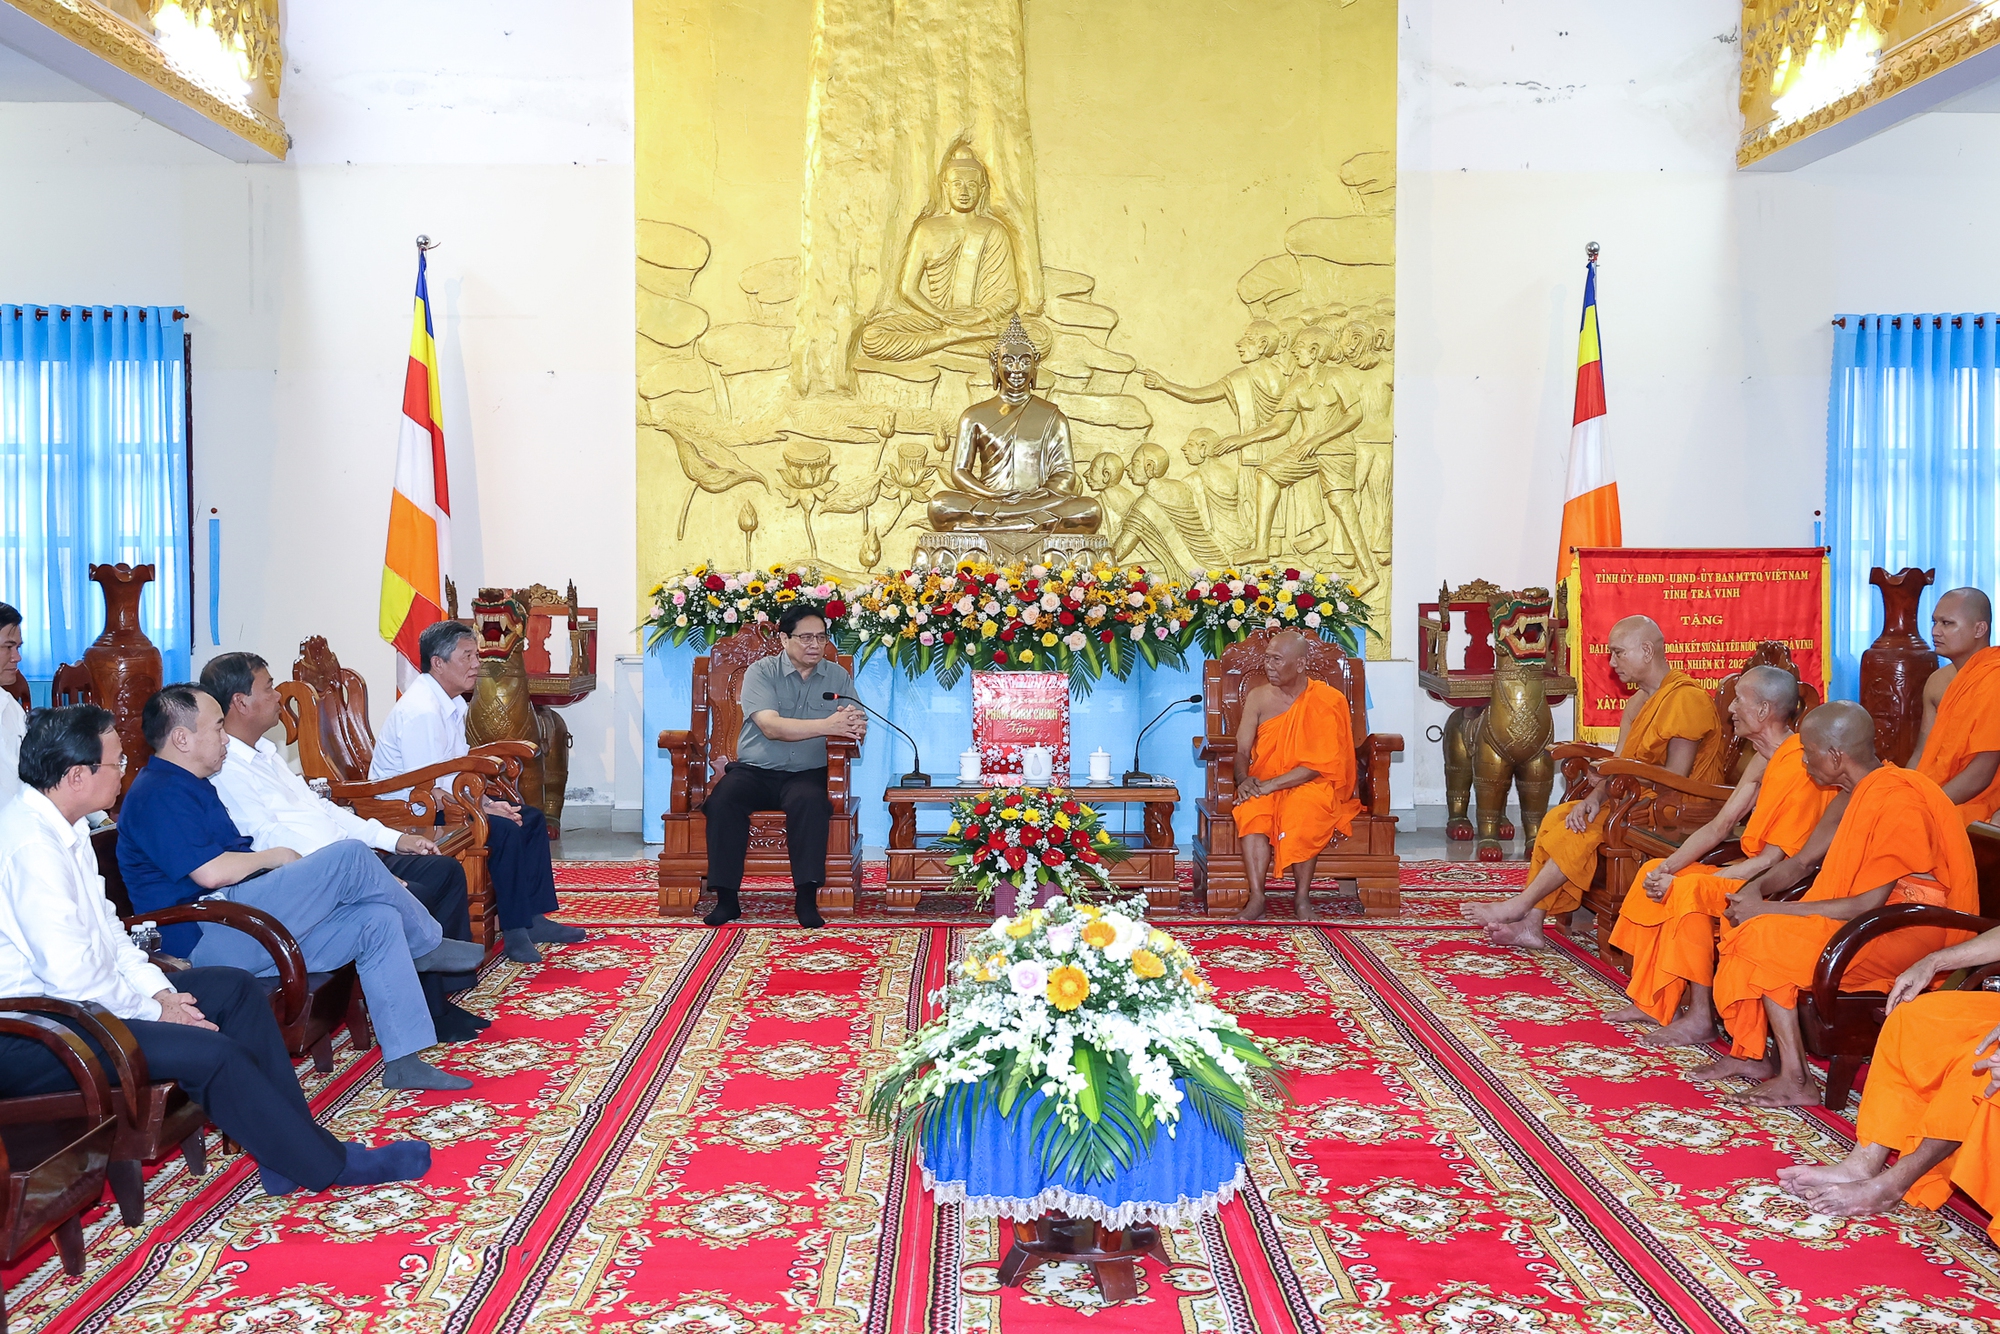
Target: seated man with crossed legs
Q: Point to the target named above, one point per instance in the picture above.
(209, 1029)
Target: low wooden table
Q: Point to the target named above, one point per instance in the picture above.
(912, 869)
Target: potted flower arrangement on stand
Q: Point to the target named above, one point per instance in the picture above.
(1055, 1089)
(1039, 839)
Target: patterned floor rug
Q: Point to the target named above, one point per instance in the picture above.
(666, 1140)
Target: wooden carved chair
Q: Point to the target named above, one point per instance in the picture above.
(1652, 809)
(701, 752)
(52, 1170)
(1367, 855)
(1839, 1026)
(154, 1117)
(325, 711)
(72, 684)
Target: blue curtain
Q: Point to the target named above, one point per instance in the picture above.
(1913, 466)
(93, 470)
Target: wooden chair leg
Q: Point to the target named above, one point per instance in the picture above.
(322, 1055)
(128, 1187)
(1840, 1074)
(69, 1244)
(194, 1152)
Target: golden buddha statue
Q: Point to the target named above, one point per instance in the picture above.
(1011, 469)
(958, 282)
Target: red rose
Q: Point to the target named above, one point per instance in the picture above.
(1016, 858)
(1291, 574)
(1306, 602)
(1106, 636)
(835, 609)
(951, 636)
(1054, 857)
(1011, 799)
(793, 581)
(713, 583)
(1249, 592)
(1030, 587)
(1070, 808)
(982, 808)
(1006, 636)
(1065, 618)
(991, 579)
(1139, 587)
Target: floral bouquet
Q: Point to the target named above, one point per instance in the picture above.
(705, 604)
(1224, 606)
(1083, 620)
(1034, 838)
(1107, 1018)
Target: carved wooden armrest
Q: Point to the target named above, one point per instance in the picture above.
(1374, 753)
(689, 770)
(122, 1049)
(1574, 759)
(71, 1050)
(1208, 749)
(841, 755)
(511, 756)
(522, 750)
(1851, 939)
(1580, 750)
(1655, 776)
(346, 794)
(255, 923)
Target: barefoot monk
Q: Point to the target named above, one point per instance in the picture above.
(1959, 744)
(1669, 919)
(1669, 721)
(1929, 1100)
(1295, 775)
(1899, 835)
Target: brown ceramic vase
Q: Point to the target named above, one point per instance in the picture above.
(125, 666)
(1895, 667)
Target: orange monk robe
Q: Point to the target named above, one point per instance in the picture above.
(1679, 709)
(1967, 724)
(1897, 823)
(1300, 821)
(1672, 942)
(1921, 1085)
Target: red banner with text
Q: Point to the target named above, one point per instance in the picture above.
(1714, 605)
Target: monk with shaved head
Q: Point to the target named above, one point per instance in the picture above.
(1294, 774)
(1899, 840)
(1670, 722)
(1668, 922)
(1959, 744)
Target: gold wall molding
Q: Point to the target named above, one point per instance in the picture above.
(120, 34)
(1916, 38)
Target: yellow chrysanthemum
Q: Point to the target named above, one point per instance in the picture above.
(1099, 934)
(1032, 816)
(1068, 987)
(1089, 913)
(1062, 820)
(1159, 940)
(1011, 813)
(1148, 964)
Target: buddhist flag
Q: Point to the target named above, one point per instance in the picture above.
(419, 553)
(1590, 501)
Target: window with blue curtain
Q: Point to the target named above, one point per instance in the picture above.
(1913, 466)
(93, 471)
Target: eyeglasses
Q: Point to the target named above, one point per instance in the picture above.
(809, 640)
(122, 762)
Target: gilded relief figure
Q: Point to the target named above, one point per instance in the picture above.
(1366, 381)
(958, 282)
(1310, 416)
(1220, 481)
(1164, 527)
(1012, 469)
(1251, 389)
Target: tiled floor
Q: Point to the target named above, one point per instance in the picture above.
(1420, 836)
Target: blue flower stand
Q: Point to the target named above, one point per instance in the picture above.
(1106, 1223)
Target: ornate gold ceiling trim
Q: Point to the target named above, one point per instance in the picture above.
(117, 40)
(1958, 38)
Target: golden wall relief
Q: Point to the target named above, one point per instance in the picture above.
(806, 403)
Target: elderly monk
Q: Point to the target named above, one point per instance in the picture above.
(1295, 780)
(1669, 721)
(1929, 1100)
(1959, 745)
(1669, 918)
(1899, 840)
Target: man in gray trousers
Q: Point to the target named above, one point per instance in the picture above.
(177, 844)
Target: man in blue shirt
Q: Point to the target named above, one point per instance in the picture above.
(176, 844)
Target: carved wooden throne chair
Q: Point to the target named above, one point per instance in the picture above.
(1367, 855)
(325, 712)
(1653, 809)
(704, 749)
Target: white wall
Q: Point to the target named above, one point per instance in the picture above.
(501, 129)
(1531, 127)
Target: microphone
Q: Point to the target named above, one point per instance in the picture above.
(1136, 777)
(916, 777)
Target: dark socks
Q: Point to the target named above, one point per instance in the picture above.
(807, 905)
(727, 909)
(544, 932)
(454, 1024)
(403, 1160)
(515, 945)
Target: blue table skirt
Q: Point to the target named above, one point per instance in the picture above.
(998, 1173)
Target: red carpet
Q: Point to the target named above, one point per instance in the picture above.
(667, 1141)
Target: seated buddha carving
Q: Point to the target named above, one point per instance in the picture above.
(1012, 470)
(959, 280)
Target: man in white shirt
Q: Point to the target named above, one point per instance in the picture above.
(427, 726)
(272, 807)
(210, 1029)
(13, 722)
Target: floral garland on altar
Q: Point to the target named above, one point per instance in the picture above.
(1105, 1016)
(1082, 620)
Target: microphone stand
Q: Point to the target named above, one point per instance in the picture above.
(1136, 777)
(916, 777)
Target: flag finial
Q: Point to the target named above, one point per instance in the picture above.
(425, 243)
(1590, 252)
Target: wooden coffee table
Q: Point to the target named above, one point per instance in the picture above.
(912, 869)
